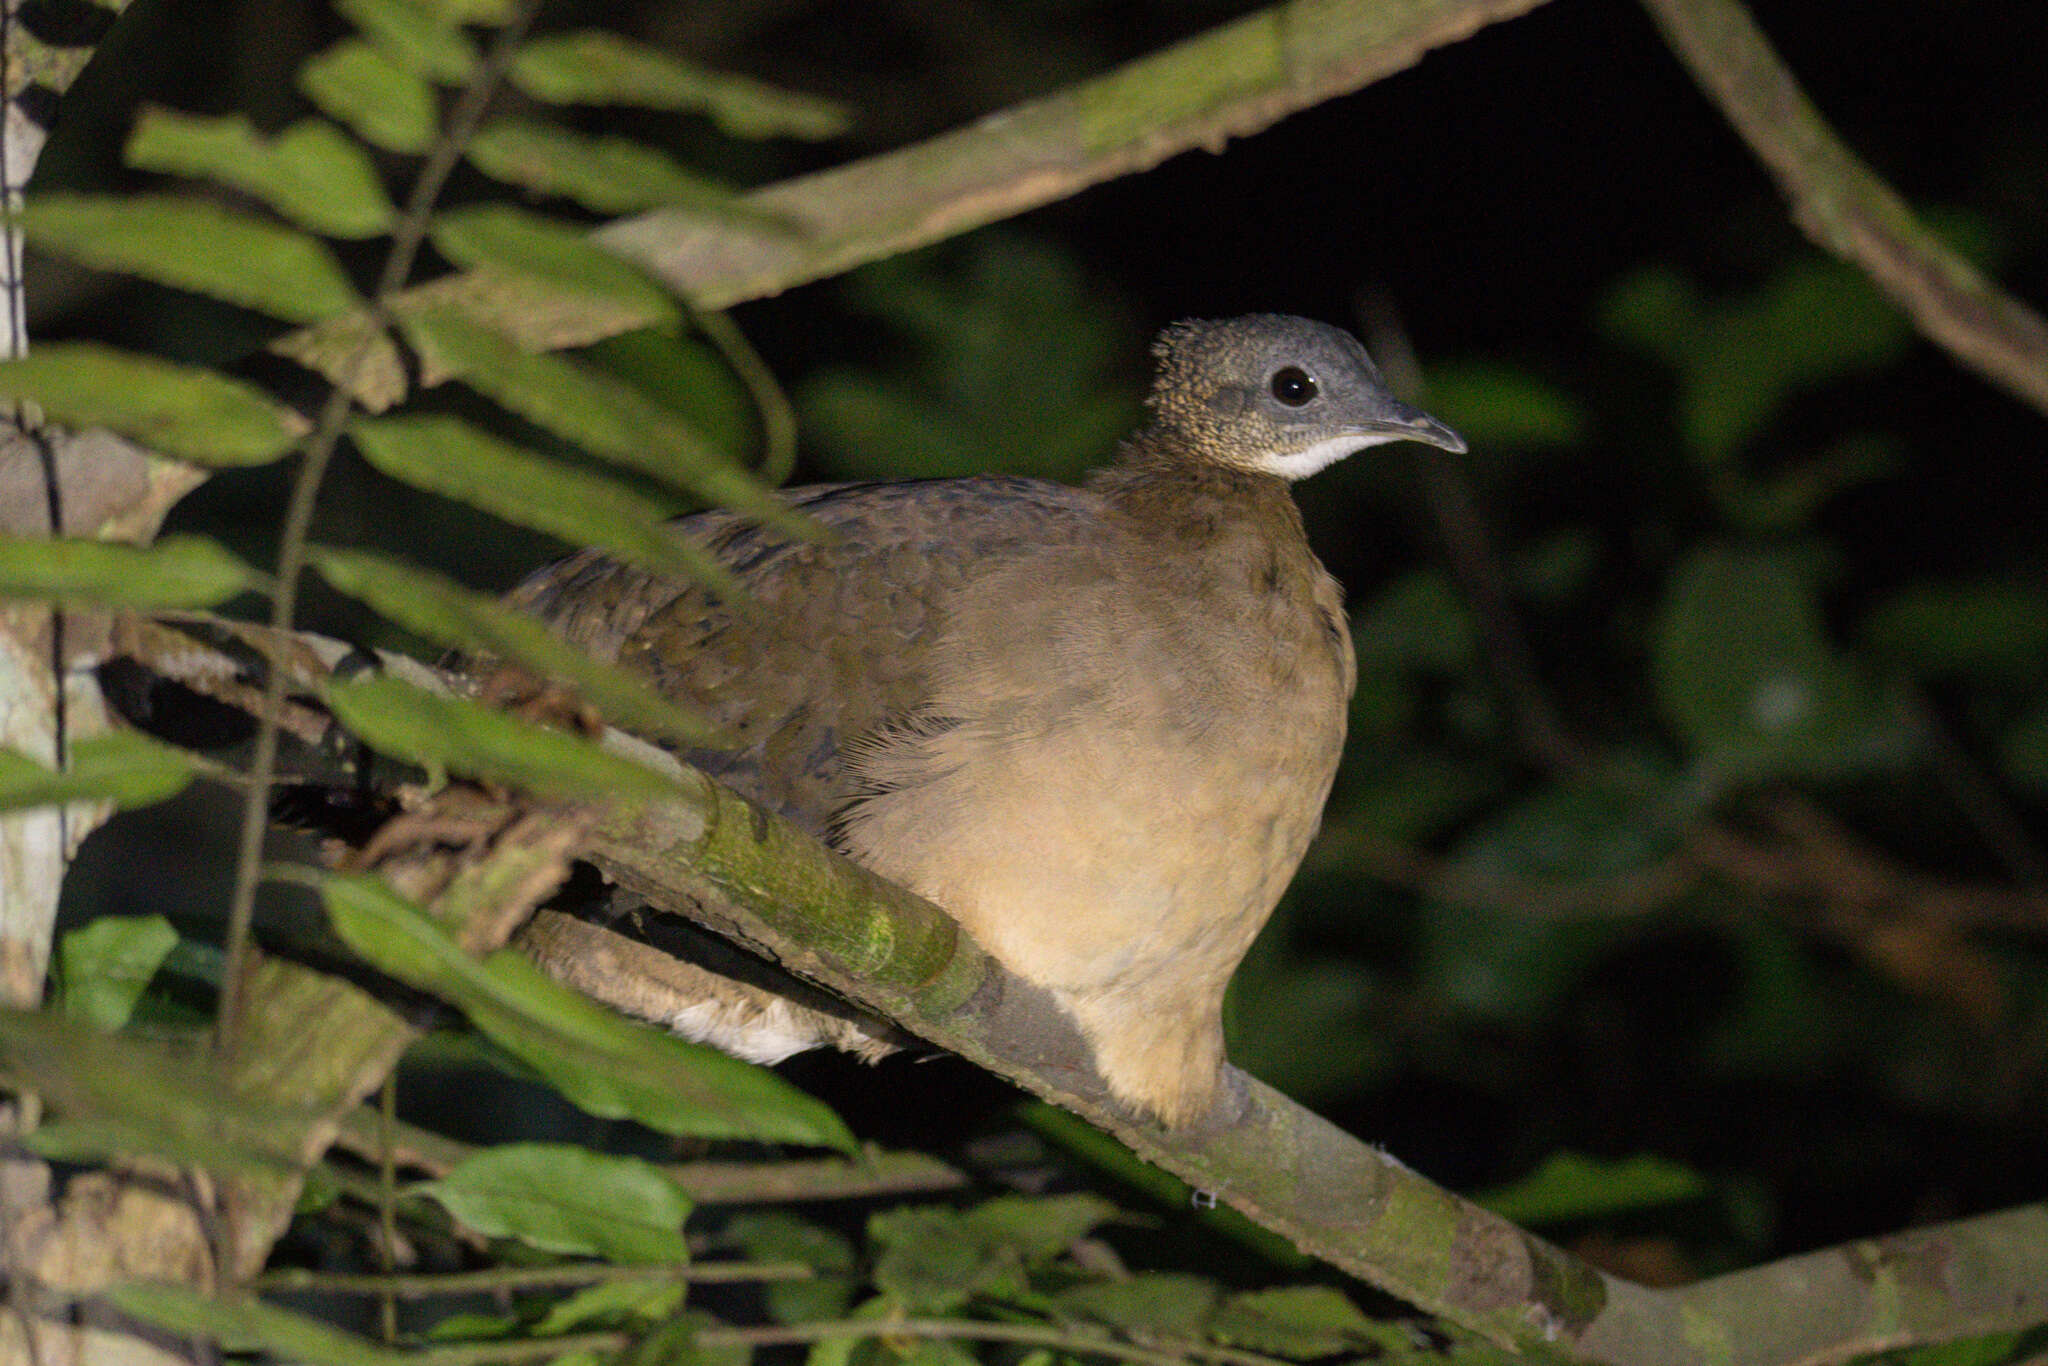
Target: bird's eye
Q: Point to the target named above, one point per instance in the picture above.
(1293, 385)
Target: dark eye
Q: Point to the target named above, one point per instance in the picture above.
(1293, 385)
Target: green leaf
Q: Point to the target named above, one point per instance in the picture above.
(1039, 1227)
(1419, 622)
(177, 410)
(1571, 1185)
(609, 1303)
(2024, 750)
(1789, 1020)
(1986, 627)
(1494, 405)
(176, 572)
(597, 67)
(447, 456)
(1745, 674)
(556, 254)
(105, 966)
(311, 172)
(196, 246)
(1513, 961)
(603, 415)
(455, 733)
(604, 1063)
(122, 1096)
(1993, 1349)
(1299, 1321)
(1155, 1303)
(1014, 360)
(607, 175)
(121, 767)
(386, 104)
(487, 13)
(1813, 321)
(415, 36)
(1656, 310)
(772, 1236)
(569, 1200)
(687, 375)
(243, 1324)
(449, 614)
(932, 1260)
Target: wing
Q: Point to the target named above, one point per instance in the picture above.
(838, 647)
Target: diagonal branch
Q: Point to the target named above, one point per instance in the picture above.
(714, 858)
(1845, 207)
(1229, 82)
(724, 863)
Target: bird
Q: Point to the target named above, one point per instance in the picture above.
(1096, 724)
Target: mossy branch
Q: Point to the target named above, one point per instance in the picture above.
(1844, 206)
(723, 862)
(715, 858)
(1229, 82)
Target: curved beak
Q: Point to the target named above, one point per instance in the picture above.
(1403, 422)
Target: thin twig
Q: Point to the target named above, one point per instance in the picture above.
(1064, 1340)
(506, 1278)
(387, 1205)
(406, 239)
(778, 419)
(1469, 545)
(520, 1349)
(1979, 800)
(1845, 207)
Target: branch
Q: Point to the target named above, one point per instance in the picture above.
(321, 1044)
(722, 862)
(873, 1174)
(1845, 207)
(716, 859)
(1229, 82)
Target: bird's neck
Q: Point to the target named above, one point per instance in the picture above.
(1171, 494)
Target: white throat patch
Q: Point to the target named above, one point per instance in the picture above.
(1323, 454)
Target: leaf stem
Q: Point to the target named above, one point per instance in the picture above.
(778, 418)
(504, 1278)
(406, 239)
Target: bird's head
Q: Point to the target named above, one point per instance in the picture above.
(1277, 395)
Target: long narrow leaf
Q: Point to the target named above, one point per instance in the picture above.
(311, 172)
(179, 410)
(121, 767)
(386, 104)
(104, 966)
(201, 247)
(603, 415)
(176, 572)
(454, 733)
(561, 1198)
(416, 37)
(244, 1324)
(595, 67)
(122, 1096)
(447, 456)
(607, 175)
(606, 1064)
(452, 615)
(554, 253)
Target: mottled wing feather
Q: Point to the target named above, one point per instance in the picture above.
(837, 646)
